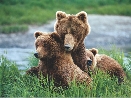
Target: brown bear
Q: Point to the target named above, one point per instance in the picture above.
(58, 63)
(73, 29)
(33, 71)
(105, 64)
(91, 60)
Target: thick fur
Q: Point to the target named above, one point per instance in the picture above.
(55, 62)
(106, 64)
(73, 29)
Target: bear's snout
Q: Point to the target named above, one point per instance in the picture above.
(67, 47)
(36, 55)
(89, 62)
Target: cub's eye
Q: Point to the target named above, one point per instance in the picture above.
(73, 32)
(45, 45)
(91, 58)
(64, 32)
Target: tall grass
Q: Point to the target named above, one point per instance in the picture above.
(33, 61)
(119, 57)
(14, 84)
(13, 28)
(34, 12)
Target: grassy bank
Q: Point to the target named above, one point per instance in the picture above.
(17, 13)
(13, 84)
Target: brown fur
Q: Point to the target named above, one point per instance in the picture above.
(58, 63)
(90, 56)
(73, 29)
(33, 71)
(107, 64)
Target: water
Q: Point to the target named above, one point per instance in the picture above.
(18, 55)
(105, 32)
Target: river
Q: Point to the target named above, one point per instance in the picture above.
(105, 31)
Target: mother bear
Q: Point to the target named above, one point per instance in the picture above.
(73, 29)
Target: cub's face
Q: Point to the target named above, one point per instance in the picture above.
(72, 28)
(47, 45)
(42, 46)
(91, 59)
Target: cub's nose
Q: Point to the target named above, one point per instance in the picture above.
(36, 55)
(89, 62)
(67, 47)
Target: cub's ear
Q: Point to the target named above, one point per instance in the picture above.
(56, 37)
(82, 16)
(37, 33)
(94, 51)
(60, 15)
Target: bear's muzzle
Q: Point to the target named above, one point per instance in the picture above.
(36, 55)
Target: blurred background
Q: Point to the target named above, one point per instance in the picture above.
(110, 22)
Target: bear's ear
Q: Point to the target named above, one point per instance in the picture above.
(37, 33)
(82, 16)
(60, 15)
(94, 51)
(56, 36)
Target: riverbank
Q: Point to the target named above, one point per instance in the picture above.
(106, 30)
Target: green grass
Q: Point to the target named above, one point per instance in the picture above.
(14, 84)
(13, 28)
(34, 12)
(33, 61)
(122, 9)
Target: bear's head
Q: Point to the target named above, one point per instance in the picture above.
(91, 59)
(47, 45)
(72, 28)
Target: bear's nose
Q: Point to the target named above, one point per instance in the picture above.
(67, 47)
(89, 62)
(36, 55)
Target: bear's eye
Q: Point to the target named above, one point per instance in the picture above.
(45, 45)
(73, 32)
(91, 58)
(64, 32)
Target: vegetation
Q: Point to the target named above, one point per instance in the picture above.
(13, 28)
(16, 15)
(14, 84)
